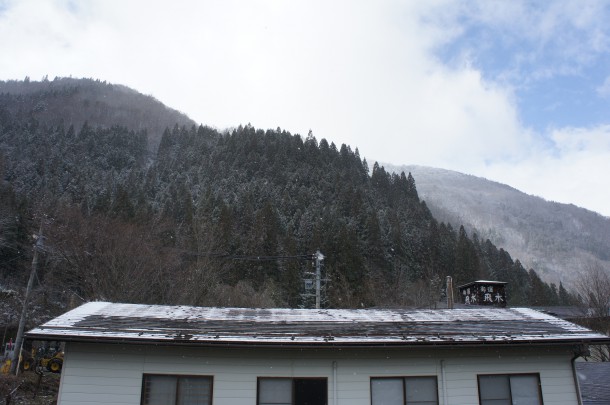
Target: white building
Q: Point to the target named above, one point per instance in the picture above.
(145, 354)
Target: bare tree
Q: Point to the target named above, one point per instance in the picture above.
(593, 289)
(104, 259)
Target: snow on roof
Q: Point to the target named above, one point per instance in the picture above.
(109, 322)
(487, 282)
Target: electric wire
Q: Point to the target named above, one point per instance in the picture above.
(12, 260)
(246, 257)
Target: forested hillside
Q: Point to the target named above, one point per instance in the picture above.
(67, 101)
(561, 241)
(223, 218)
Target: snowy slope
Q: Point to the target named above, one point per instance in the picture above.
(558, 240)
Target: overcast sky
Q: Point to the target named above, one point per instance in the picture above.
(513, 91)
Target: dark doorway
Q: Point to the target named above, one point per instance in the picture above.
(310, 391)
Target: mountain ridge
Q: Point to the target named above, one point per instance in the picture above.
(559, 240)
(69, 101)
(207, 216)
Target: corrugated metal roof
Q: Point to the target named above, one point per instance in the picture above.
(563, 312)
(103, 321)
(594, 381)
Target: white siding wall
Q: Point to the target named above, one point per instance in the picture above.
(112, 374)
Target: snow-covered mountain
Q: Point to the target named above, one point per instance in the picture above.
(558, 240)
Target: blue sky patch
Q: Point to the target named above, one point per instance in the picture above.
(556, 75)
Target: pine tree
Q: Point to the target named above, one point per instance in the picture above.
(467, 264)
(565, 298)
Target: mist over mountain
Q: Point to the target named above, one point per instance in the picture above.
(68, 101)
(227, 218)
(559, 240)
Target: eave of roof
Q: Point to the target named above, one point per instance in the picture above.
(151, 324)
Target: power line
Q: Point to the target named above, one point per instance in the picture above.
(13, 259)
(263, 258)
(6, 246)
(308, 256)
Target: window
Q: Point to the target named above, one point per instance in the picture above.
(404, 391)
(176, 390)
(510, 389)
(292, 391)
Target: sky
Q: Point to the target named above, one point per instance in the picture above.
(513, 91)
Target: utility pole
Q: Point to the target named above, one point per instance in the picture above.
(315, 282)
(449, 292)
(38, 246)
(319, 258)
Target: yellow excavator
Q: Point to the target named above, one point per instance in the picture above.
(42, 358)
(39, 360)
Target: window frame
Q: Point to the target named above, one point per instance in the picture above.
(403, 378)
(210, 378)
(509, 375)
(292, 381)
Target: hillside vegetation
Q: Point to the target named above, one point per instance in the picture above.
(561, 241)
(67, 101)
(222, 218)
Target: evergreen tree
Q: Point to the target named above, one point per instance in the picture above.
(466, 260)
(214, 196)
(565, 298)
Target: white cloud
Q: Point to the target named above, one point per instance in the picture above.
(574, 171)
(357, 72)
(546, 39)
(604, 89)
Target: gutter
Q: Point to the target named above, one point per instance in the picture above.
(219, 342)
(444, 382)
(579, 351)
(335, 400)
